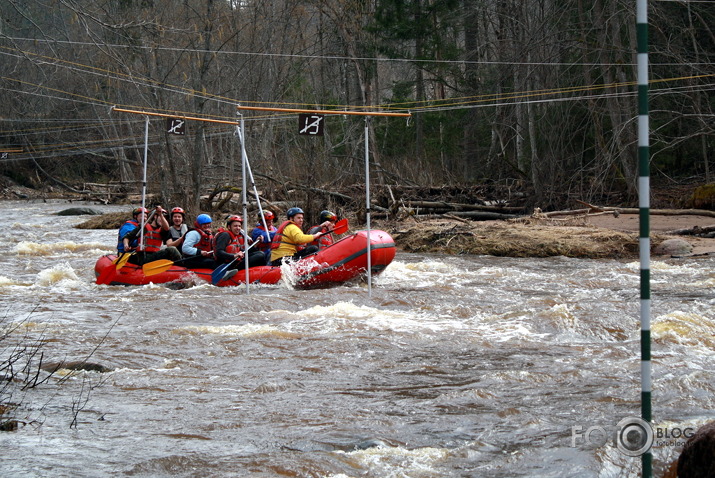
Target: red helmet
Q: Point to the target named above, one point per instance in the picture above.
(233, 218)
(268, 216)
(140, 210)
(179, 210)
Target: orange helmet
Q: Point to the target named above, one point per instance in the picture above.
(268, 216)
(139, 210)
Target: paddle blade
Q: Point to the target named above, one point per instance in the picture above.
(107, 275)
(123, 260)
(218, 273)
(156, 267)
(341, 227)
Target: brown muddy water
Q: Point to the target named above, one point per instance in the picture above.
(464, 366)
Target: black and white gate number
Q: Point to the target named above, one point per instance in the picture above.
(176, 126)
(310, 124)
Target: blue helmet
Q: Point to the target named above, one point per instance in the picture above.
(202, 219)
(293, 211)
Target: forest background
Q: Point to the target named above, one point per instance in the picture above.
(535, 98)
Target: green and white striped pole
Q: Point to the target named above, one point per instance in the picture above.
(644, 209)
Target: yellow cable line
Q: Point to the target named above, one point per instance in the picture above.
(426, 104)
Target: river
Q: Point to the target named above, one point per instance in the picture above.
(457, 366)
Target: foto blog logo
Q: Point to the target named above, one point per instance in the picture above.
(634, 436)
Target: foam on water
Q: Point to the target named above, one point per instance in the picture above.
(506, 329)
(247, 330)
(706, 283)
(291, 271)
(61, 275)
(422, 274)
(27, 248)
(684, 328)
(397, 461)
(348, 316)
(6, 282)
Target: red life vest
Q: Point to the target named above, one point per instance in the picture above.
(152, 238)
(276, 242)
(235, 244)
(323, 241)
(206, 241)
(278, 238)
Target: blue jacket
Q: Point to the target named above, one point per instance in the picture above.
(126, 228)
(267, 236)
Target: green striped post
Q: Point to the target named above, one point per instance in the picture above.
(644, 208)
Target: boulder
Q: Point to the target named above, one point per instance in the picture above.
(77, 365)
(79, 211)
(673, 247)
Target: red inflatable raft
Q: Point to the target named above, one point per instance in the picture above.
(339, 263)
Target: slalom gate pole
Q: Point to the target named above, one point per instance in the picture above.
(644, 214)
(146, 155)
(253, 184)
(244, 197)
(367, 206)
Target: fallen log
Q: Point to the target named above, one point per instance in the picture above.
(692, 231)
(630, 210)
(473, 215)
(571, 212)
(447, 206)
(665, 212)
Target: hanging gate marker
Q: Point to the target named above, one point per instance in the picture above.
(306, 124)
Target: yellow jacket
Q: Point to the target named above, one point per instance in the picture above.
(290, 240)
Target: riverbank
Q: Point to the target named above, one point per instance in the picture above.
(593, 236)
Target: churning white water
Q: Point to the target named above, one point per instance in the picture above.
(457, 366)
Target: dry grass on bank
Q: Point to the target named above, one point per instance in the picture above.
(513, 239)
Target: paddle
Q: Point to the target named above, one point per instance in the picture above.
(160, 265)
(157, 267)
(341, 227)
(218, 274)
(122, 259)
(107, 274)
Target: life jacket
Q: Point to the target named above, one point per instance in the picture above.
(322, 241)
(278, 238)
(206, 241)
(234, 245)
(120, 243)
(178, 234)
(152, 238)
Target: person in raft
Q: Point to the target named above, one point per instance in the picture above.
(229, 246)
(155, 231)
(178, 228)
(198, 245)
(326, 217)
(289, 241)
(139, 215)
(266, 235)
